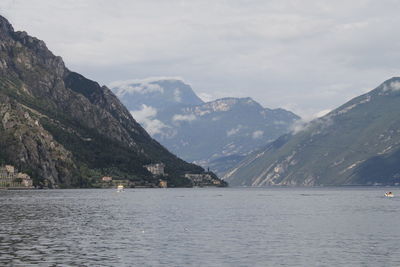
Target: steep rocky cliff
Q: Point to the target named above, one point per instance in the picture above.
(64, 128)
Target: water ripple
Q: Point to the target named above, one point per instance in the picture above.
(207, 227)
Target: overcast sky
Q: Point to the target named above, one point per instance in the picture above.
(306, 56)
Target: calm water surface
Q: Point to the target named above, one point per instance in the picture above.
(200, 227)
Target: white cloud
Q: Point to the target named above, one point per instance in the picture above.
(305, 122)
(144, 113)
(146, 117)
(234, 131)
(299, 125)
(138, 88)
(181, 117)
(257, 134)
(393, 86)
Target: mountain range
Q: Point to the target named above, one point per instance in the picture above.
(355, 144)
(216, 134)
(67, 130)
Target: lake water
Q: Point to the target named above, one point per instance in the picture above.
(200, 227)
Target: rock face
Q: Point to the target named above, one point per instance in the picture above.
(356, 144)
(62, 127)
(24, 141)
(216, 134)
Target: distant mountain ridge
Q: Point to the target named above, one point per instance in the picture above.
(65, 129)
(157, 92)
(355, 144)
(216, 134)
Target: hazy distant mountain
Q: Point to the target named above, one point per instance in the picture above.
(68, 130)
(159, 93)
(356, 144)
(217, 134)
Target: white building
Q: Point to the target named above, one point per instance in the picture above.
(10, 177)
(106, 178)
(156, 169)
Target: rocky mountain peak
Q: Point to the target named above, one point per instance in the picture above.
(5, 28)
(30, 41)
(28, 52)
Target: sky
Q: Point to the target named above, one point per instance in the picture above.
(307, 56)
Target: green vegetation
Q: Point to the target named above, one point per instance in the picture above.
(356, 144)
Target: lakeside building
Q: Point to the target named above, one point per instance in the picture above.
(203, 179)
(156, 169)
(198, 177)
(113, 182)
(163, 184)
(216, 182)
(11, 178)
(106, 179)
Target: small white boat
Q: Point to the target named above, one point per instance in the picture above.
(389, 194)
(120, 188)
